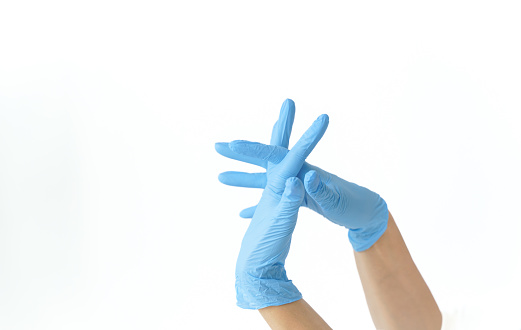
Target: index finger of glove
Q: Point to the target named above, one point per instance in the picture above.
(298, 154)
(263, 152)
(282, 128)
(224, 149)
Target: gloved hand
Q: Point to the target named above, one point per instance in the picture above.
(359, 209)
(261, 279)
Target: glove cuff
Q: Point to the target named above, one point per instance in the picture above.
(255, 292)
(363, 238)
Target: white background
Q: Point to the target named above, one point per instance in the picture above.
(111, 215)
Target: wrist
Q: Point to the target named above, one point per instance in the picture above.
(259, 288)
(363, 238)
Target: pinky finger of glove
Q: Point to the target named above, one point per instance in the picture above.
(248, 212)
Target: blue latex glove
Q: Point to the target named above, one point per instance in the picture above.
(260, 276)
(359, 209)
(261, 279)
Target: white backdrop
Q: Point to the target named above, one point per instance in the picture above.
(111, 215)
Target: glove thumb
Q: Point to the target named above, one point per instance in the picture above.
(320, 192)
(291, 199)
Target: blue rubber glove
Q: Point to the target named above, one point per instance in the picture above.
(260, 276)
(359, 209)
(261, 279)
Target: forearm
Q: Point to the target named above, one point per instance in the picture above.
(397, 295)
(297, 315)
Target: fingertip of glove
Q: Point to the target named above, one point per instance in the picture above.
(222, 177)
(245, 214)
(288, 102)
(324, 118)
(293, 181)
(311, 181)
(294, 189)
(220, 146)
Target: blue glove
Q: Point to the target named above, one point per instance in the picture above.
(261, 279)
(359, 209)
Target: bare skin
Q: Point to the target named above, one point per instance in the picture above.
(297, 315)
(396, 294)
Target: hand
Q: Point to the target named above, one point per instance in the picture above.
(357, 208)
(261, 279)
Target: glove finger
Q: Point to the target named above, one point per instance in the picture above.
(272, 154)
(282, 128)
(291, 199)
(320, 192)
(223, 148)
(241, 179)
(248, 212)
(292, 163)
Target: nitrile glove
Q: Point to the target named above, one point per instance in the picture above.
(359, 209)
(261, 279)
(260, 276)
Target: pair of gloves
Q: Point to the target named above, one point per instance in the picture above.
(289, 183)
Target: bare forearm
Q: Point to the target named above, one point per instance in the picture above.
(297, 315)
(397, 295)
